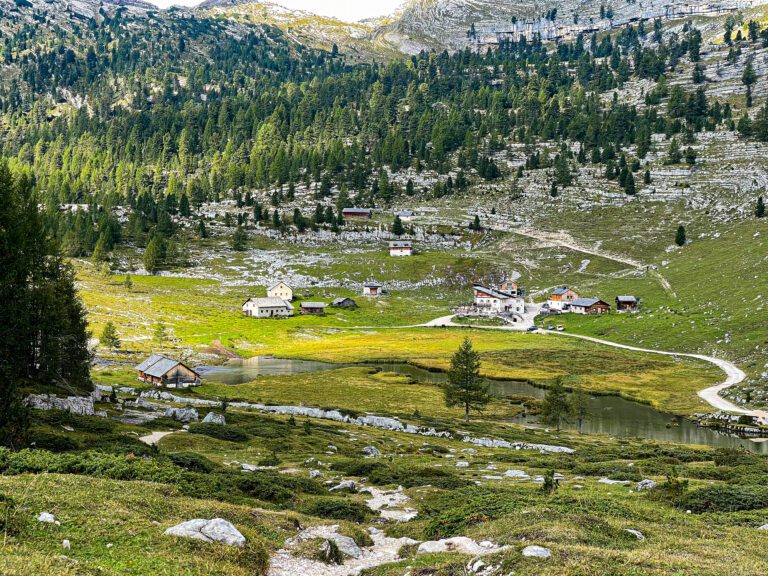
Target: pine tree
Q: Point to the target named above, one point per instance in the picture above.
(580, 406)
(674, 155)
(109, 337)
(160, 334)
(239, 240)
(201, 230)
(647, 177)
(397, 227)
(465, 388)
(629, 184)
(555, 409)
(128, 283)
(748, 78)
(760, 208)
(153, 255)
(681, 237)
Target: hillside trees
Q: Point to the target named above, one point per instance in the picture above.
(44, 337)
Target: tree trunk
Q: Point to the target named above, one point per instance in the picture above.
(466, 412)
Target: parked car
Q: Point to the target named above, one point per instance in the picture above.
(560, 328)
(533, 329)
(550, 326)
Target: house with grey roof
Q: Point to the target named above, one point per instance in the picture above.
(163, 371)
(267, 308)
(313, 308)
(589, 306)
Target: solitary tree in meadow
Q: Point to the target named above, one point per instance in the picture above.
(465, 387)
(580, 406)
(397, 227)
(681, 238)
(556, 408)
(760, 208)
(109, 337)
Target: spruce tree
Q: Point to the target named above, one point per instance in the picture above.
(109, 337)
(580, 406)
(397, 227)
(239, 240)
(465, 388)
(153, 255)
(760, 208)
(680, 237)
(555, 409)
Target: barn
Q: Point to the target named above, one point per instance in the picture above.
(313, 308)
(401, 248)
(357, 213)
(589, 306)
(162, 371)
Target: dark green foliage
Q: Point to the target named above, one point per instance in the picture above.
(411, 477)
(680, 237)
(220, 432)
(330, 553)
(397, 227)
(239, 240)
(556, 409)
(760, 208)
(725, 498)
(192, 461)
(465, 388)
(337, 509)
(52, 442)
(109, 337)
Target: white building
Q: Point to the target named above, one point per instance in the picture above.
(560, 300)
(401, 248)
(497, 301)
(267, 308)
(373, 288)
(280, 290)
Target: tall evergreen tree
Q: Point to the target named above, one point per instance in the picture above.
(760, 208)
(556, 410)
(397, 227)
(681, 237)
(465, 388)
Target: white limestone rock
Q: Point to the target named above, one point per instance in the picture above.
(537, 552)
(216, 530)
(213, 418)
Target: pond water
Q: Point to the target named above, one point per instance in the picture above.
(609, 415)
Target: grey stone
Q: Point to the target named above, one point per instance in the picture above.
(216, 530)
(371, 452)
(315, 474)
(213, 418)
(348, 485)
(80, 405)
(46, 517)
(636, 533)
(184, 415)
(645, 485)
(537, 552)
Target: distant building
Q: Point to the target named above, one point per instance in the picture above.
(589, 306)
(313, 308)
(406, 215)
(280, 290)
(162, 371)
(267, 308)
(626, 303)
(360, 213)
(373, 288)
(344, 303)
(509, 286)
(497, 301)
(561, 299)
(401, 248)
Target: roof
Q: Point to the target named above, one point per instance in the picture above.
(158, 366)
(561, 291)
(314, 305)
(372, 284)
(278, 284)
(586, 302)
(406, 213)
(270, 303)
(154, 359)
(401, 244)
(493, 292)
(626, 299)
(357, 211)
(338, 301)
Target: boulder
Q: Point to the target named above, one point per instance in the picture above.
(537, 552)
(636, 533)
(216, 530)
(645, 485)
(184, 415)
(517, 474)
(46, 517)
(460, 544)
(763, 527)
(348, 485)
(213, 418)
(315, 474)
(80, 405)
(371, 452)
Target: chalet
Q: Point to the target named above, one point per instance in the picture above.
(344, 303)
(589, 306)
(373, 288)
(561, 299)
(406, 215)
(357, 213)
(267, 308)
(498, 302)
(401, 248)
(162, 371)
(509, 286)
(280, 290)
(626, 303)
(313, 308)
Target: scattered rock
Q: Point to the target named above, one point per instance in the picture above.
(346, 544)
(371, 452)
(66, 545)
(348, 485)
(184, 415)
(462, 464)
(763, 527)
(612, 482)
(315, 474)
(216, 530)
(460, 544)
(517, 474)
(213, 418)
(334, 449)
(636, 533)
(47, 518)
(645, 485)
(537, 552)
(80, 405)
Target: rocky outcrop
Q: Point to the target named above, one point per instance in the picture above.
(460, 544)
(495, 443)
(213, 418)
(80, 405)
(185, 415)
(216, 530)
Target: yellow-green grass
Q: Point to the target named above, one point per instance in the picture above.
(132, 517)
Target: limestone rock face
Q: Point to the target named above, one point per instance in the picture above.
(185, 415)
(80, 405)
(216, 530)
(213, 418)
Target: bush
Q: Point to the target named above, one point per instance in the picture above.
(53, 442)
(358, 468)
(725, 498)
(338, 509)
(7, 509)
(735, 457)
(412, 477)
(227, 433)
(192, 462)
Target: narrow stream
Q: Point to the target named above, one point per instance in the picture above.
(609, 415)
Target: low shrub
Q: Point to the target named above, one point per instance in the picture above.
(725, 498)
(192, 462)
(337, 509)
(227, 433)
(412, 477)
(53, 442)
